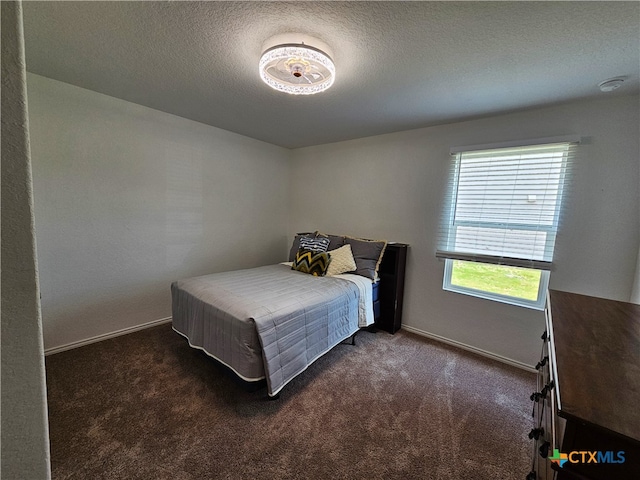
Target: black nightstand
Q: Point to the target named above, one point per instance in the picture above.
(391, 287)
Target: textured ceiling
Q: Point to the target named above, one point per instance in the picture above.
(400, 65)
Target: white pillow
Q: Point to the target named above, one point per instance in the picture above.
(342, 261)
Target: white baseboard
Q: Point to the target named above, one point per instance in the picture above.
(470, 348)
(432, 336)
(105, 336)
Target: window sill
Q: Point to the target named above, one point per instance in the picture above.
(517, 302)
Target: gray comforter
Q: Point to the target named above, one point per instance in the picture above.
(267, 321)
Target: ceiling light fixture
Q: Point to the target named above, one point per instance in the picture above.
(297, 67)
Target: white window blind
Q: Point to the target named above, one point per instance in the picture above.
(504, 204)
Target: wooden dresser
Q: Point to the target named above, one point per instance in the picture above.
(587, 404)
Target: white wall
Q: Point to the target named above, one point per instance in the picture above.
(635, 293)
(392, 187)
(25, 436)
(128, 199)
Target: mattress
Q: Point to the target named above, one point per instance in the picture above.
(270, 322)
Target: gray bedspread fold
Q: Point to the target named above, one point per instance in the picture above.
(267, 321)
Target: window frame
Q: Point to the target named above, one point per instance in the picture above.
(537, 304)
(543, 266)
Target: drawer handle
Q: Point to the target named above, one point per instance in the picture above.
(546, 389)
(542, 362)
(544, 449)
(536, 396)
(536, 433)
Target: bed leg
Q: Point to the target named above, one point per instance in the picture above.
(353, 339)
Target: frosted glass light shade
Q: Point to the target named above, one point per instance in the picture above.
(297, 69)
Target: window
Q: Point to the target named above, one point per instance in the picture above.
(500, 228)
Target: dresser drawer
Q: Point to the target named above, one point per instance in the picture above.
(557, 423)
(548, 427)
(543, 412)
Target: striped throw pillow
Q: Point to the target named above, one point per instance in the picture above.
(315, 244)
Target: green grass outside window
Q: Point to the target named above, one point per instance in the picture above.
(503, 280)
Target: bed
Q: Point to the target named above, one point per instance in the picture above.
(272, 322)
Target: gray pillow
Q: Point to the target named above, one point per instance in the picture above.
(335, 241)
(368, 255)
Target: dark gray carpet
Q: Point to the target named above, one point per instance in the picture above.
(147, 406)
